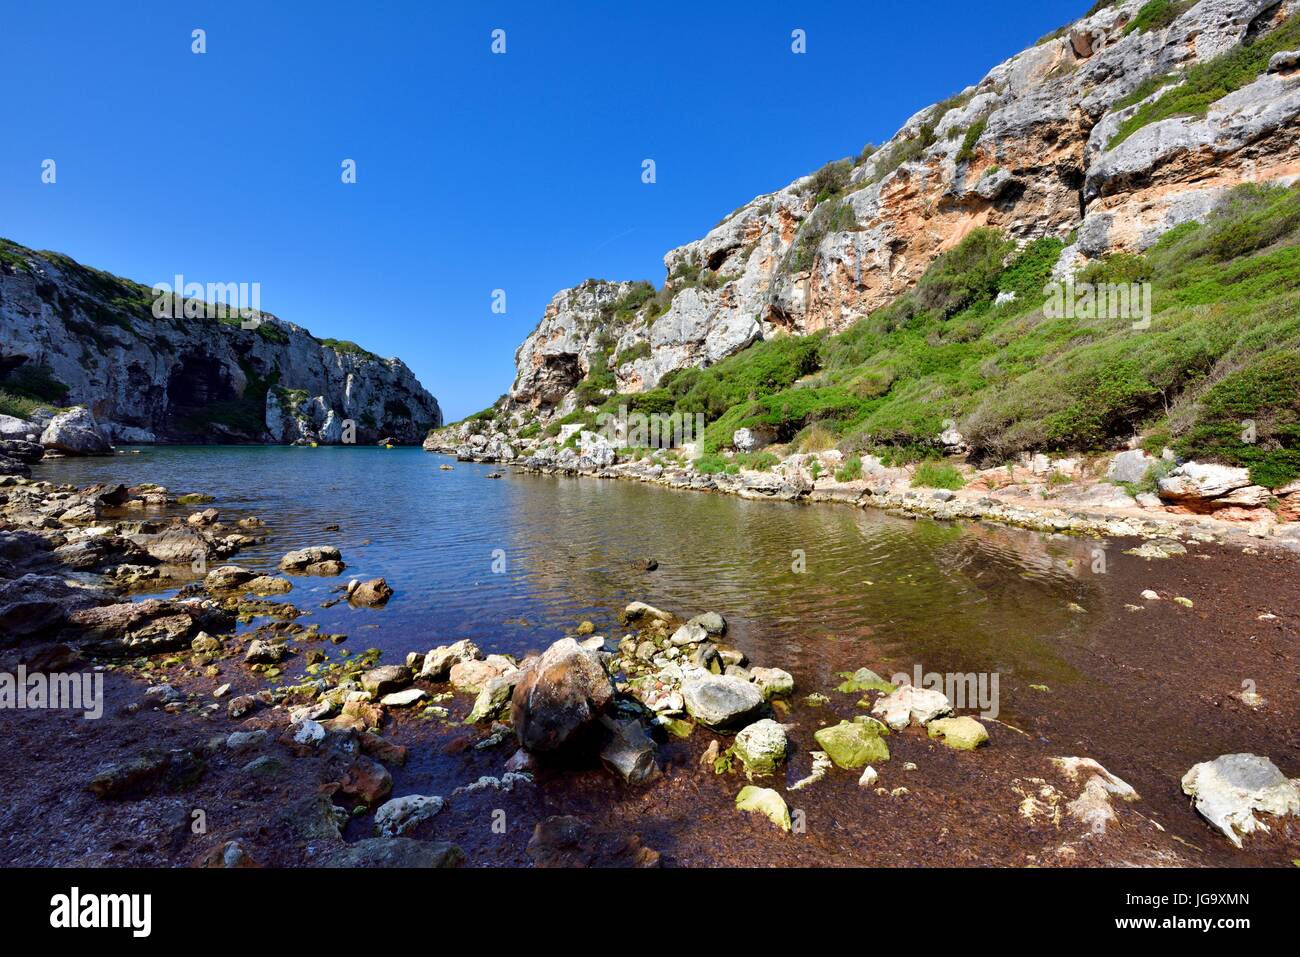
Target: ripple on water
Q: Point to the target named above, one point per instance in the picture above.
(875, 589)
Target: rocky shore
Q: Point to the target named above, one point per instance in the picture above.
(1075, 495)
(236, 734)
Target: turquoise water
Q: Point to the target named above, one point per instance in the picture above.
(878, 590)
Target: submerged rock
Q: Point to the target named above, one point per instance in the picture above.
(821, 763)
(854, 744)
(864, 679)
(566, 841)
(964, 733)
(396, 852)
(772, 682)
(1231, 788)
(1093, 805)
(764, 801)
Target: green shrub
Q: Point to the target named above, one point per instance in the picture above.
(1017, 381)
(1267, 393)
(639, 351)
(973, 134)
(626, 307)
(35, 382)
(937, 474)
(1157, 14)
(850, 471)
(904, 151)
(269, 332)
(829, 181)
(711, 464)
(760, 461)
(1206, 83)
(19, 406)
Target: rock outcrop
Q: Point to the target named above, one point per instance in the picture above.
(73, 336)
(1039, 147)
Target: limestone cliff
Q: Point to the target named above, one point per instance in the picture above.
(71, 335)
(1045, 144)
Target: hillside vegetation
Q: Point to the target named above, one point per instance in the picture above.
(1223, 348)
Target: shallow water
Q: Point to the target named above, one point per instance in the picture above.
(875, 589)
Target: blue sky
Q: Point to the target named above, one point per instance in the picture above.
(474, 171)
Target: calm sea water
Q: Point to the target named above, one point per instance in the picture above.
(877, 590)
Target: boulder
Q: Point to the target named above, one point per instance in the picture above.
(404, 698)
(772, 682)
(752, 439)
(963, 733)
(713, 624)
(74, 433)
(386, 679)
(854, 744)
(910, 703)
(1229, 790)
(33, 605)
(22, 450)
(401, 815)
(639, 611)
(474, 675)
(559, 696)
(438, 662)
(764, 801)
(721, 701)
(316, 559)
(367, 780)
(227, 578)
(689, 634)
(12, 427)
(761, 747)
(11, 466)
(264, 652)
(1194, 482)
(1131, 466)
(370, 594)
(493, 698)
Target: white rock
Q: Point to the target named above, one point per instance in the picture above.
(910, 703)
(1231, 788)
(400, 815)
(402, 699)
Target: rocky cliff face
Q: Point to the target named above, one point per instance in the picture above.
(70, 335)
(1041, 146)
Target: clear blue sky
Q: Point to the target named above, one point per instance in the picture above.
(475, 171)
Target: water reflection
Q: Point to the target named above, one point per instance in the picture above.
(878, 589)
